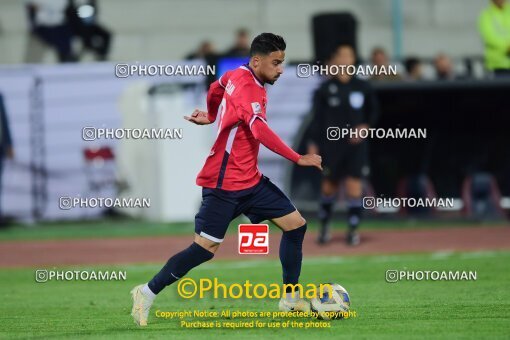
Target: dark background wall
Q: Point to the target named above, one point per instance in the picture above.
(468, 130)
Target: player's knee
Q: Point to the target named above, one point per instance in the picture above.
(303, 221)
(213, 248)
(208, 245)
(296, 222)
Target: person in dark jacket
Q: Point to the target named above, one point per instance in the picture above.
(342, 102)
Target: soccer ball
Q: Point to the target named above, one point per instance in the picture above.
(330, 306)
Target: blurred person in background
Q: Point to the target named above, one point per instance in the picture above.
(204, 51)
(6, 149)
(413, 69)
(444, 67)
(380, 58)
(494, 26)
(241, 46)
(343, 101)
(207, 53)
(82, 17)
(48, 23)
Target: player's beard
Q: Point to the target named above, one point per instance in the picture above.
(274, 80)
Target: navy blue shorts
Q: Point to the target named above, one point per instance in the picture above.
(263, 201)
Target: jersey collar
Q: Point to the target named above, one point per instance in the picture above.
(257, 80)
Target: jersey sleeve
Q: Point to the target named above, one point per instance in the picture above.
(215, 95)
(263, 133)
(250, 105)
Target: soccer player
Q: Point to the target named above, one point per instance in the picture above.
(232, 183)
(343, 101)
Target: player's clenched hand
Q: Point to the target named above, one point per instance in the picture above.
(198, 117)
(311, 160)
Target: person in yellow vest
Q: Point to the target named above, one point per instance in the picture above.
(494, 25)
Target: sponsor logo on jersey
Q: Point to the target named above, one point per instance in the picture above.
(230, 88)
(257, 109)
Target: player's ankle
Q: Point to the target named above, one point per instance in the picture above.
(148, 292)
(292, 297)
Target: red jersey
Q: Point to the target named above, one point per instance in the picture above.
(232, 163)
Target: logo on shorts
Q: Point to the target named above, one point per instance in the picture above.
(253, 239)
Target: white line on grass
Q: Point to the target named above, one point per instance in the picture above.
(228, 264)
(438, 256)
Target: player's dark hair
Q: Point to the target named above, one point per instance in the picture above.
(266, 43)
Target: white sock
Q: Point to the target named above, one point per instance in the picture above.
(292, 297)
(148, 292)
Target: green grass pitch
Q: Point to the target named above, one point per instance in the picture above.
(424, 309)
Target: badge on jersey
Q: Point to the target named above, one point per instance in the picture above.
(356, 99)
(257, 109)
